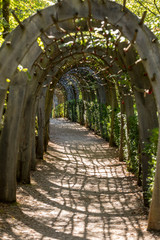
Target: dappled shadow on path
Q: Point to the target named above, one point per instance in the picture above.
(80, 191)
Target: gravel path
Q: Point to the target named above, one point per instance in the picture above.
(80, 191)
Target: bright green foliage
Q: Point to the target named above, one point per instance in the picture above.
(153, 12)
(58, 111)
(23, 9)
(26, 8)
(71, 110)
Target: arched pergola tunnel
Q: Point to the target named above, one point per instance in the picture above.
(151, 123)
(62, 32)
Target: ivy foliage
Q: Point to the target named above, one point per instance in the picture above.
(58, 112)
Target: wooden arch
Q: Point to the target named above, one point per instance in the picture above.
(19, 43)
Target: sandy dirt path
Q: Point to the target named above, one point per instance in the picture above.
(80, 191)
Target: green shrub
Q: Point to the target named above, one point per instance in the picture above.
(59, 111)
(80, 111)
(151, 150)
(133, 135)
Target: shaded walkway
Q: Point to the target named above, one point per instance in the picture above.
(81, 191)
